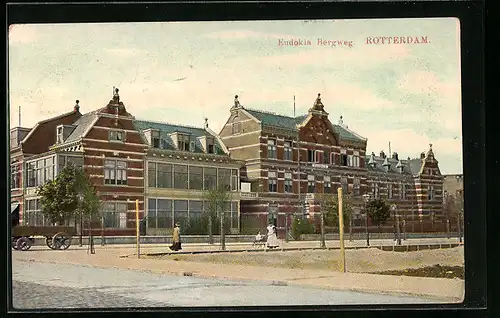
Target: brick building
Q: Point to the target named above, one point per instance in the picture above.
(182, 163)
(26, 143)
(290, 160)
(111, 150)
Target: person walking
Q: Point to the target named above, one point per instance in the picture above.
(176, 238)
(272, 239)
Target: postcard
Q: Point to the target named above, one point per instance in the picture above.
(236, 163)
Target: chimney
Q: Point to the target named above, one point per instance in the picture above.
(422, 155)
(395, 156)
(77, 107)
(382, 154)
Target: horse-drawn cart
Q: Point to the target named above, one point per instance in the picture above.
(56, 237)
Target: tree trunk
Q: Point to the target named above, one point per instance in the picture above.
(210, 235)
(222, 234)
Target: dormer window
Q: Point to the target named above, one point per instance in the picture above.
(60, 137)
(155, 139)
(116, 135)
(192, 146)
(210, 149)
(183, 142)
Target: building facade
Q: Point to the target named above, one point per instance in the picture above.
(183, 163)
(106, 144)
(26, 143)
(290, 161)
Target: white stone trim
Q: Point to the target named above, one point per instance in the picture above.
(120, 151)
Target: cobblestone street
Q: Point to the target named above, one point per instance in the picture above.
(47, 285)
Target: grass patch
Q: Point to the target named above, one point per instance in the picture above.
(436, 271)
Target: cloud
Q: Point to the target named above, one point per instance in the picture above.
(22, 34)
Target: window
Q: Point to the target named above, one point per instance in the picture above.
(327, 184)
(311, 156)
(343, 184)
(181, 212)
(59, 134)
(343, 160)
(356, 186)
(33, 214)
(287, 155)
(431, 193)
(403, 191)
(31, 174)
(115, 172)
(192, 147)
(317, 155)
(333, 159)
(164, 175)
(389, 191)
(224, 176)
(116, 135)
(195, 178)
(49, 168)
(375, 189)
(272, 182)
(326, 157)
(350, 160)
(288, 183)
(115, 214)
(271, 149)
(211, 148)
(311, 184)
(15, 176)
(195, 210)
(236, 126)
(13, 139)
(155, 139)
(180, 177)
(63, 161)
(183, 142)
(234, 179)
(210, 178)
(151, 174)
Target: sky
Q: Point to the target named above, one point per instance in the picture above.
(181, 72)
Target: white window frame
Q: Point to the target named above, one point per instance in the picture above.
(271, 149)
(116, 135)
(115, 169)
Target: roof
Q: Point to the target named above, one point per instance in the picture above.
(81, 126)
(410, 167)
(167, 129)
(46, 121)
(287, 122)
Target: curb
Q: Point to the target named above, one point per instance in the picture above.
(387, 248)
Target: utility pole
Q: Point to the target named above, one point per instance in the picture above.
(341, 228)
(323, 244)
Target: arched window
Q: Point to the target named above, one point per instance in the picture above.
(236, 126)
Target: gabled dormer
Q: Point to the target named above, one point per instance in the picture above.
(372, 162)
(153, 137)
(183, 141)
(400, 166)
(63, 132)
(386, 164)
(208, 144)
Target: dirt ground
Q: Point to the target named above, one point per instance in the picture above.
(357, 261)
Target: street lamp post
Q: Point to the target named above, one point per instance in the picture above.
(398, 229)
(366, 198)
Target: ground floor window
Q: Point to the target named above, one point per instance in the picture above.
(164, 213)
(115, 214)
(33, 215)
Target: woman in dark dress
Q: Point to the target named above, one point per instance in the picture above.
(176, 238)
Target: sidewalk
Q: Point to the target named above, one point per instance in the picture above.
(440, 289)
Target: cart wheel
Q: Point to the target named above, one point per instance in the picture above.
(24, 243)
(14, 242)
(61, 241)
(48, 241)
